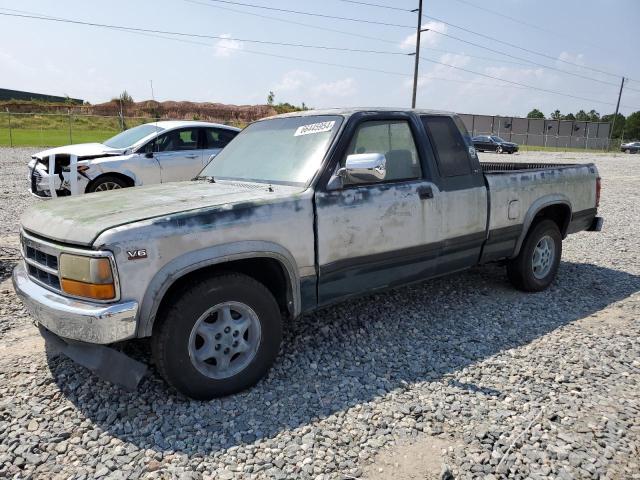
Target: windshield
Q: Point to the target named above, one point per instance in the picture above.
(280, 150)
(497, 139)
(132, 136)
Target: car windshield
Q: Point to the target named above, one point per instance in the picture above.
(132, 136)
(281, 150)
(496, 139)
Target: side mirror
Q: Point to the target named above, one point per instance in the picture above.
(148, 154)
(364, 167)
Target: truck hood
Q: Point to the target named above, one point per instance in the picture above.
(82, 150)
(80, 220)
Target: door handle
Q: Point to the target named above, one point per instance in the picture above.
(191, 156)
(425, 192)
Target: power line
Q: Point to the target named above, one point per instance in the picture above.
(377, 5)
(520, 48)
(527, 61)
(182, 34)
(313, 14)
(531, 62)
(194, 35)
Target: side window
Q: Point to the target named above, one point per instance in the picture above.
(393, 139)
(218, 137)
(177, 140)
(451, 151)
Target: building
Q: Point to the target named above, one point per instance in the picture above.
(6, 94)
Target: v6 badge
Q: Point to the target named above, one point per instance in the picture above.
(137, 254)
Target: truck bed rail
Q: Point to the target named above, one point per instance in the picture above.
(501, 167)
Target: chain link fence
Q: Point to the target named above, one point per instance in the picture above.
(53, 129)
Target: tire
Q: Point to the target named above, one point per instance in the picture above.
(107, 182)
(193, 318)
(628, 150)
(499, 149)
(510, 152)
(544, 236)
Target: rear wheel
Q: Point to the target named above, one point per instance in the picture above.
(536, 266)
(107, 182)
(218, 337)
(499, 149)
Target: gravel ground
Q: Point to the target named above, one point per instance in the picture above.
(460, 377)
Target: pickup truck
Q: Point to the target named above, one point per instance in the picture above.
(300, 211)
(158, 152)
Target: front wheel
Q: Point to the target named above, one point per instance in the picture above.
(499, 149)
(536, 266)
(628, 150)
(218, 337)
(105, 183)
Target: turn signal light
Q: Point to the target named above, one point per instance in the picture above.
(88, 290)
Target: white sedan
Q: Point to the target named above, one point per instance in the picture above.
(160, 152)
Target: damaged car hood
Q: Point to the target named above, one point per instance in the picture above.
(82, 150)
(80, 220)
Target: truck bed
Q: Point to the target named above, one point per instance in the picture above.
(504, 167)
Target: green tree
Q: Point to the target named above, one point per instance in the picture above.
(535, 113)
(582, 116)
(593, 116)
(632, 126)
(556, 115)
(125, 98)
(569, 116)
(270, 98)
(618, 127)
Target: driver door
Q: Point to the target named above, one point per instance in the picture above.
(179, 154)
(373, 235)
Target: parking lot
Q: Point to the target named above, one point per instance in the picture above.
(460, 376)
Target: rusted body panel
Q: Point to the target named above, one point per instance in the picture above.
(330, 242)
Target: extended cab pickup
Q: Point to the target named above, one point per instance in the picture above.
(297, 212)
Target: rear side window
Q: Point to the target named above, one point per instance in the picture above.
(451, 149)
(218, 137)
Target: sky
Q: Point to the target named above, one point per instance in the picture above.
(96, 64)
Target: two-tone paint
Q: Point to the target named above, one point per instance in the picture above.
(328, 241)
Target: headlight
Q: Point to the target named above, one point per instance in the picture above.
(87, 277)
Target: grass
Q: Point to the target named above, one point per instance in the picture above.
(52, 138)
(53, 130)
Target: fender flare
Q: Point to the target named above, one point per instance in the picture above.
(534, 209)
(206, 257)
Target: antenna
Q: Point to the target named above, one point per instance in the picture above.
(153, 98)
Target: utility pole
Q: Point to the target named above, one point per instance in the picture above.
(417, 54)
(613, 124)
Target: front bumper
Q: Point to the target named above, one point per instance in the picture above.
(73, 319)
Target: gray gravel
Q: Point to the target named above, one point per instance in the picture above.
(529, 386)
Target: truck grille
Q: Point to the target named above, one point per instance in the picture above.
(41, 262)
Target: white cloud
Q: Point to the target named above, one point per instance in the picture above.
(293, 80)
(428, 39)
(225, 47)
(577, 58)
(307, 86)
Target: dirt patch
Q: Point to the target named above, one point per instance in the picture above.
(422, 459)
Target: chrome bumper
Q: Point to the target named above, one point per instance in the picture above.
(73, 319)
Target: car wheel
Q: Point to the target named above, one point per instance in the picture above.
(628, 150)
(105, 183)
(510, 152)
(499, 149)
(218, 337)
(536, 266)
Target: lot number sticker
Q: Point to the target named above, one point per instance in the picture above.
(314, 128)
